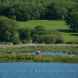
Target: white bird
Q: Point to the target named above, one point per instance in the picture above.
(38, 52)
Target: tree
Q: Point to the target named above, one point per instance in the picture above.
(71, 20)
(10, 12)
(52, 12)
(37, 32)
(53, 37)
(25, 35)
(41, 35)
(8, 30)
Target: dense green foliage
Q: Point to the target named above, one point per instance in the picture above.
(8, 30)
(25, 35)
(41, 35)
(23, 10)
(71, 19)
(41, 9)
(34, 9)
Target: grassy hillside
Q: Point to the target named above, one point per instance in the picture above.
(48, 24)
(52, 25)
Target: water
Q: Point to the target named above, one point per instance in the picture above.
(50, 53)
(38, 70)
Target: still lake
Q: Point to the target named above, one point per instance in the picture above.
(38, 70)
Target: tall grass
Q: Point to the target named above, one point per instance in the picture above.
(31, 58)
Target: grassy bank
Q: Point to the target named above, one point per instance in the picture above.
(31, 58)
(23, 53)
(28, 48)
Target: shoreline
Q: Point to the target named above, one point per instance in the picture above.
(37, 59)
(23, 53)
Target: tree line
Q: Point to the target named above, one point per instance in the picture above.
(34, 9)
(23, 10)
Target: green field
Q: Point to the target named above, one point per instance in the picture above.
(48, 24)
(52, 25)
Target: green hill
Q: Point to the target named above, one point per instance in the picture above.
(69, 37)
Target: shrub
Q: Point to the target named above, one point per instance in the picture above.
(53, 37)
(8, 30)
(40, 35)
(25, 35)
(37, 34)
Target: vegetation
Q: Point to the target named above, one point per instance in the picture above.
(47, 24)
(40, 35)
(40, 22)
(25, 35)
(24, 29)
(30, 58)
(8, 30)
(28, 48)
(54, 26)
(34, 9)
(21, 11)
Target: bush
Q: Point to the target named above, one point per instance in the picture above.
(59, 37)
(15, 38)
(71, 19)
(38, 30)
(25, 35)
(53, 37)
(37, 34)
(40, 35)
(8, 30)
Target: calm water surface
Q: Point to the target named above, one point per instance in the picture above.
(50, 53)
(38, 70)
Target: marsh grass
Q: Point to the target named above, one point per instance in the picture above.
(24, 54)
(38, 58)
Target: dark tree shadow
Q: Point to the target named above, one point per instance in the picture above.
(75, 34)
(65, 30)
